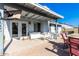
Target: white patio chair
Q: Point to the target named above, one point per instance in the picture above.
(48, 35)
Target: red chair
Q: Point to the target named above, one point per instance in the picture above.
(65, 38)
(74, 46)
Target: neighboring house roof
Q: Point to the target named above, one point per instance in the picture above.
(63, 25)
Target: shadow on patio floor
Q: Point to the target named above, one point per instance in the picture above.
(61, 50)
(8, 44)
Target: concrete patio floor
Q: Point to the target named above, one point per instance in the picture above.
(35, 47)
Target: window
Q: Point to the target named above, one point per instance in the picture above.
(14, 29)
(37, 27)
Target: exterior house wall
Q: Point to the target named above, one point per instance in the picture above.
(45, 27)
(30, 28)
(7, 31)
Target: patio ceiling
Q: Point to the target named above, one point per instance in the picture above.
(33, 11)
(34, 16)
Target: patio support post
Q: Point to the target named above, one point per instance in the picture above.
(49, 27)
(1, 28)
(56, 30)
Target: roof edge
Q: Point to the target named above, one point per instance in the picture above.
(50, 11)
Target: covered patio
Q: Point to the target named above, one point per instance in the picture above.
(24, 21)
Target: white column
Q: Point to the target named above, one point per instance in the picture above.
(1, 28)
(56, 29)
(49, 27)
(19, 29)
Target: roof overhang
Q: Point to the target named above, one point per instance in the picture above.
(48, 11)
(37, 9)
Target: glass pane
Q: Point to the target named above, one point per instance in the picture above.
(15, 29)
(23, 29)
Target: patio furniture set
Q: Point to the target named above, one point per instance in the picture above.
(72, 43)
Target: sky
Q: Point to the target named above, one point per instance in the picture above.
(70, 11)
